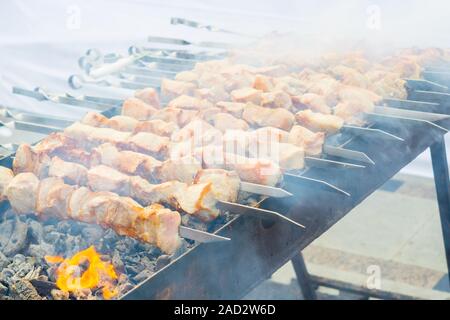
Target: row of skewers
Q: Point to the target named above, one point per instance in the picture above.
(226, 128)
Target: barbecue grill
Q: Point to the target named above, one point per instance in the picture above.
(322, 194)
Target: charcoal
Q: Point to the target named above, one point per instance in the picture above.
(132, 259)
(3, 290)
(117, 262)
(121, 247)
(52, 237)
(51, 272)
(4, 261)
(43, 287)
(59, 294)
(92, 233)
(6, 229)
(63, 227)
(24, 290)
(124, 288)
(49, 228)
(110, 236)
(162, 261)
(143, 275)
(19, 259)
(122, 278)
(147, 263)
(147, 248)
(35, 231)
(40, 250)
(16, 240)
(24, 269)
(133, 270)
(83, 294)
(182, 249)
(6, 275)
(126, 244)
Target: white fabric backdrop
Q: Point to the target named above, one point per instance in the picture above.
(41, 40)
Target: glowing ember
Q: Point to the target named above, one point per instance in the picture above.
(98, 274)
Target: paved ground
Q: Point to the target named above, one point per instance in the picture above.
(393, 240)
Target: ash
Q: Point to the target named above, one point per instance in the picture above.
(25, 241)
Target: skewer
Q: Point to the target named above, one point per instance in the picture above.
(347, 154)
(181, 42)
(200, 236)
(311, 161)
(315, 183)
(430, 107)
(183, 231)
(324, 163)
(430, 96)
(177, 53)
(427, 116)
(426, 85)
(264, 190)
(234, 208)
(198, 25)
(77, 81)
(98, 70)
(391, 118)
(146, 70)
(245, 186)
(259, 213)
(369, 133)
(438, 75)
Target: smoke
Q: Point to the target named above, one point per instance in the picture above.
(325, 25)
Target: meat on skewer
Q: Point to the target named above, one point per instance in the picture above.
(199, 199)
(52, 197)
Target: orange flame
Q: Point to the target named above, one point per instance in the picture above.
(98, 273)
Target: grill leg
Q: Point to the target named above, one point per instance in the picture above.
(441, 180)
(303, 278)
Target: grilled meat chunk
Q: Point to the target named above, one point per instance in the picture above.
(6, 175)
(22, 192)
(319, 122)
(138, 109)
(268, 117)
(224, 121)
(246, 95)
(149, 96)
(71, 172)
(173, 88)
